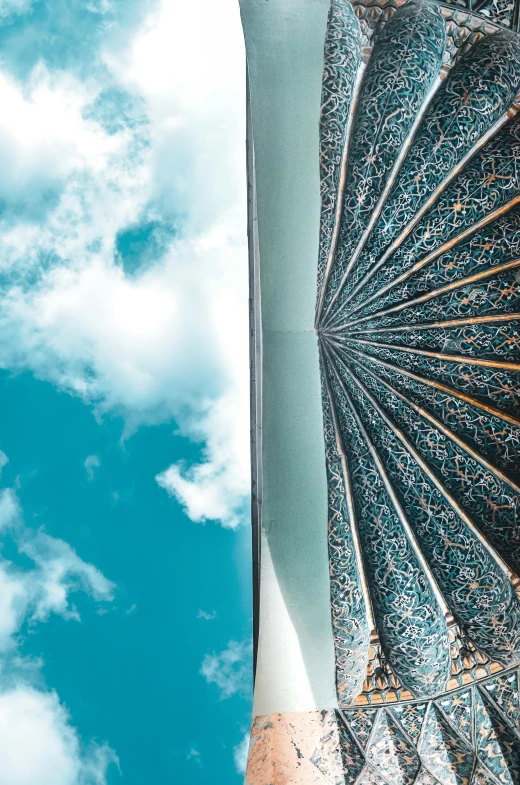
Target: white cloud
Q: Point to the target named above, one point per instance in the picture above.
(59, 573)
(194, 755)
(14, 601)
(39, 746)
(4, 460)
(48, 587)
(207, 615)
(240, 753)
(13, 7)
(45, 140)
(230, 669)
(168, 340)
(91, 463)
(9, 508)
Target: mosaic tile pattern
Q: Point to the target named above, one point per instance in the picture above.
(418, 319)
(411, 717)
(462, 738)
(419, 327)
(342, 62)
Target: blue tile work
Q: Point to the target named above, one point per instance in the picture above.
(478, 90)
(411, 716)
(504, 692)
(414, 40)
(462, 738)
(342, 61)
(361, 723)
(391, 753)
(418, 320)
(458, 708)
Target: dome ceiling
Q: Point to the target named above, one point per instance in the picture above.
(418, 319)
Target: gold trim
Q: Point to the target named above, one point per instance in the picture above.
(488, 272)
(447, 432)
(511, 575)
(455, 358)
(439, 386)
(395, 501)
(505, 317)
(419, 215)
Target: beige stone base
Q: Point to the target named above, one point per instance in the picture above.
(297, 748)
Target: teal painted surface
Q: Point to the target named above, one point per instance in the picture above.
(284, 41)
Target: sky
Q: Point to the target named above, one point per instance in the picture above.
(125, 599)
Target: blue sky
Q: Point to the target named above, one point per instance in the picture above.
(125, 604)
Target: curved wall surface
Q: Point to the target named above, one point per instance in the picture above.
(389, 621)
(295, 657)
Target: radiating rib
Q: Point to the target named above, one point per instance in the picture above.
(487, 184)
(445, 388)
(322, 286)
(439, 485)
(393, 568)
(350, 503)
(472, 104)
(450, 287)
(348, 590)
(377, 210)
(409, 50)
(504, 317)
(505, 366)
(455, 241)
(395, 501)
(342, 72)
(413, 223)
(496, 243)
(443, 532)
(446, 431)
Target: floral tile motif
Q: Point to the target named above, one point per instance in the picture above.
(504, 691)
(418, 318)
(370, 777)
(500, 11)
(353, 760)
(411, 718)
(445, 754)
(361, 723)
(458, 708)
(480, 776)
(425, 778)
(497, 745)
(390, 752)
(419, 290)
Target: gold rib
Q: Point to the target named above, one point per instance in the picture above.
(443, 387)
(384, 195)
(429, 202)
(505, 317)
(455, 358)
(429, 295)
(446, 431)
(438, 484)
(395, 501)
(372, 628)
(341, 189)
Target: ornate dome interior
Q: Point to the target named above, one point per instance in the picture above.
(418, 327)
(418, 318)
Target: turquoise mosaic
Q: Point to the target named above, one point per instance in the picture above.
(460, 739)
(418, 320)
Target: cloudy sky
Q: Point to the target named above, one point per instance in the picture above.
(125, 615)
